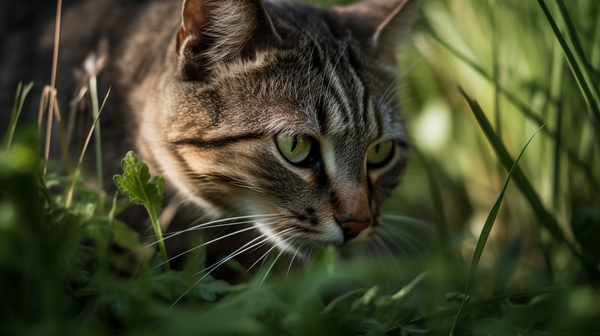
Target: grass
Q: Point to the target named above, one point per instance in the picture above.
(68, 265)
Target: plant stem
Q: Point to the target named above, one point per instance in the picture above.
(97, 138)
(159, 236)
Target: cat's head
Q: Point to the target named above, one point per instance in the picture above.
(287, 112)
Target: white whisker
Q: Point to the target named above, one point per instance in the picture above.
(267, 253)
(291, 262)
(212, 268)
(274, 261)
(201, 226)
(243, 249)
(210, 242)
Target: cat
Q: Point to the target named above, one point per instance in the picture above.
(282, 113)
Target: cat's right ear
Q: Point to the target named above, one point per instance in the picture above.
(220, 30)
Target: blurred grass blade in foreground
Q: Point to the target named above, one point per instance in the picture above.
(22, 93)
(587, 91)
(487, 228)
(546, 219)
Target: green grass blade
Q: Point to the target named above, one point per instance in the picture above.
(579, 52)
(20, 96)
(556, 88)
(592, 103)
(485, 233)
(98, 141)
(545, 218)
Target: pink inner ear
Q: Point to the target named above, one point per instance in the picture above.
(195, 16)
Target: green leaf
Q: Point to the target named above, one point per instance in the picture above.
(125, 237)
(174, 284)
(456, 296)
(136, 184)
(406, 289)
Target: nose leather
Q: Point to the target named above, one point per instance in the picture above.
(352, 229)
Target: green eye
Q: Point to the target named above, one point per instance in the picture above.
(380, 153)
(295, 149)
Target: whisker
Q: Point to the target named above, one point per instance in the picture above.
(212, 268)
(389, 260)
(267, 253)
(398, 79)
(395, 243)
(171, 234)
(243, 249)
(274, 261)
(408, 220)
(197, 227)
(291, 262)
(268, 216)
(210, 242)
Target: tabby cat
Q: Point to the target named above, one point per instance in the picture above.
(280, 112)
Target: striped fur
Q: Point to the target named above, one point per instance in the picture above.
(321, 78)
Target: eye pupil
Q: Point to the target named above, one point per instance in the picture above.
(295, 149)
(380, 154)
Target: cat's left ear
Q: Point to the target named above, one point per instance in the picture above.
(382, 23)
(220, 30)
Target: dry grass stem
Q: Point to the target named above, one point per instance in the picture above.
(87, 141)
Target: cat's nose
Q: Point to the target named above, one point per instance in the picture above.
(353, 228)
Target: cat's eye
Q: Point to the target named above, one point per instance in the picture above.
(380, 154)
(295, 149)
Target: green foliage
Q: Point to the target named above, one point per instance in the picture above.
(136, 183)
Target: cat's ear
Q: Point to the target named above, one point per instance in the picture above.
(219, 30)
(382, 23)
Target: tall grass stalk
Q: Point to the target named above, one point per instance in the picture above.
(544, 216)
(586, 90)
(20, 96)
(487, 229)
(69, 198)
(556, 107)
(53, 84)
(579, 52)
(97, 138)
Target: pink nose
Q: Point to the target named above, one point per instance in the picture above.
(352, 229)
